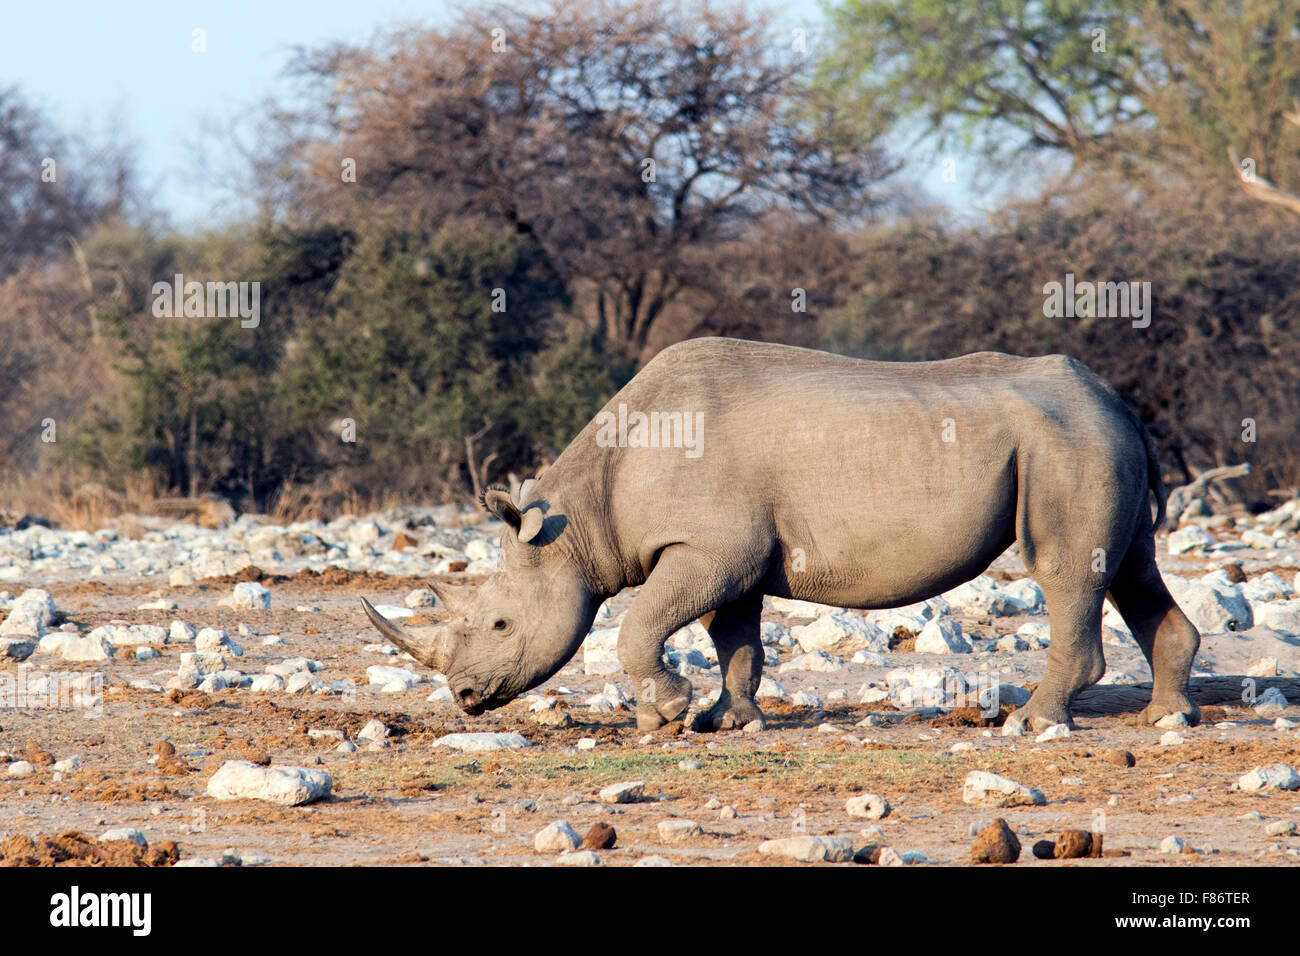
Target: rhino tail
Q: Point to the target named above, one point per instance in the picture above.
(1154, 482)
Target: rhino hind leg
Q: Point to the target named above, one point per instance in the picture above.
(1074, 659)
(1167, 638)
(734, 629)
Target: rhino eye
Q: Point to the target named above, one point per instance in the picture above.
(500, 625)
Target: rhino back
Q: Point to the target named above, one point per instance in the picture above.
(846, 458)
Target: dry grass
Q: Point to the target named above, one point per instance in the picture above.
(71, 501)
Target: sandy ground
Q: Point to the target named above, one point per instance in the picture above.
(408, 802)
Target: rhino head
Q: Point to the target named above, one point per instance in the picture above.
(516, 629)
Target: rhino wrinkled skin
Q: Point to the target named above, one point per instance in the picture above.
(841, 481)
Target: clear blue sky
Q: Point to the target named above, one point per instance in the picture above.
(128, 65)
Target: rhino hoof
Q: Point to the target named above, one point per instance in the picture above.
(1159, 708)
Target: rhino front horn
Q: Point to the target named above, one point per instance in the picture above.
(425, 644)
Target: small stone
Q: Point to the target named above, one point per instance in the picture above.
(689, 765)
(21, 768)
(810, 849)
(630, 792)
(478, 743)
(285, 786)
(1072, 844)
(1173, 844)
(601, 836)
(1054, 732)
(1120, 758)
(557, 837)
(869, 806)
(676, 831)
(1172, 721)
(374, 730)
(123, 833)
(581, 858)
(1277, 776)
(250, 595)
(1044, 850)
(996, 843)
(727, 813)
(888, 856)
(587, 743)
(983, 789)
(1281, 828)
(1172, 738)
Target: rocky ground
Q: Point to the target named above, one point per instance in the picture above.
(213, 696)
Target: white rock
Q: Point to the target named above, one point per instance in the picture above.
(1188, 538)
(1172, 738)
(769, 688)
(1054, 732)
(557, 837)
(267, 683)
(1172, 844)
(1271, 703)
(303, 682)
(1213, 610)
(791, 607)
(479, 743)
(67, 765)
(85, 649)
(382, 675)
(942, 636)
(677, 831)
(1266, 587)
(815, 661)
(810, 849)
(802, 698)
(600, 652)
(841, 632)
(1277, 776)
(211, 640)
(1027, 592)
(421, 597)
(982, 596)
(30, 615)
(284, 786)
(984, 789)
(250, 595)
(867, 805)
(123, 833)
(181, 633)
(1264, 667)
(627, 792)
(21, 768)
(580, 858)
(1172, 721)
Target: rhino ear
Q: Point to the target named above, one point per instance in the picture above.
(525, 525)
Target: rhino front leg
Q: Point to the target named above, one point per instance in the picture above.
(734, 629)
(684, 585)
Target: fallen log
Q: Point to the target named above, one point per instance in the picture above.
(1109, 700)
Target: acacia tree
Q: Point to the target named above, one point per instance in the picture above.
(626, 140)
(1158, 87)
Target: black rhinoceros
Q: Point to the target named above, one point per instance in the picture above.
(891, 482)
